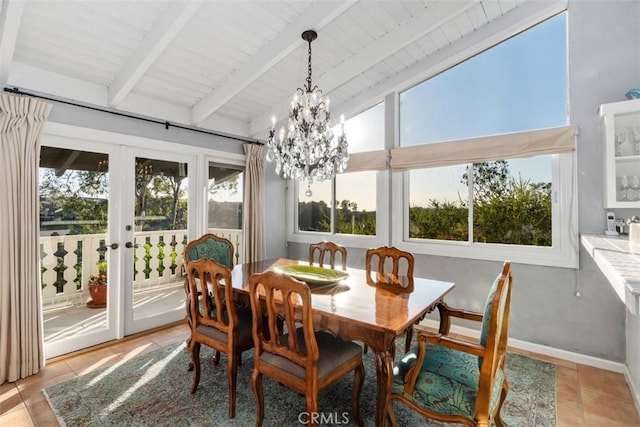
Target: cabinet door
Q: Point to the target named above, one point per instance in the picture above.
(621, 133)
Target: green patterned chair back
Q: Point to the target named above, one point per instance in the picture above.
(212, 247)
(495, 321)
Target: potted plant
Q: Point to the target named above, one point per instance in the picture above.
(98, 287)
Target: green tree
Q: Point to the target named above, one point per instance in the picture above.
(506, 209)
(76, 196)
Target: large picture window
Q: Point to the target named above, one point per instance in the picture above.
(480, 162)
(510, 204)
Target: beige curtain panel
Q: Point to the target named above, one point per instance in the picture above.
(368, 161)
(254, 205)
(506, 146)
(21, 342)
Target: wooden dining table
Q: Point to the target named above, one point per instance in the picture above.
(354, 310)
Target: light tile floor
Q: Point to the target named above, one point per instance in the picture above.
(586, 396)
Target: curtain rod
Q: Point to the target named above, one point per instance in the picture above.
(166, 124)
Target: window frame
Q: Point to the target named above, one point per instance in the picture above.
(392, 215)
(562, 253)
(350, 240)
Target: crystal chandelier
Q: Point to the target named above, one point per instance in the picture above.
(308, 150)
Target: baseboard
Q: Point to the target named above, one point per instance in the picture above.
(635, 392)
(545, 350)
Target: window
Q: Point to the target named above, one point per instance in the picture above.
(503, 205)
(224, 199)
(346, 205)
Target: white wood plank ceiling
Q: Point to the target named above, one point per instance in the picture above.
(229, 65)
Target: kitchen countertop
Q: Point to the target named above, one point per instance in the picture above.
(619, 260)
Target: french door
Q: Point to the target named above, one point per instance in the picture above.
(155, 222)
(113, 218)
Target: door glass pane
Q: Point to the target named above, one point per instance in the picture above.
(224, 213)
(74, 189)
(160, 234)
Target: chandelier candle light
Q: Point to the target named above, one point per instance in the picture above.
(309, 149)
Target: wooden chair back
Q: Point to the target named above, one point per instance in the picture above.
(390, 268)
(217, 310)
(324, 248)
(286, 303)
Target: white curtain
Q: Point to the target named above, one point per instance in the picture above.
(21, 345)
(253, 205)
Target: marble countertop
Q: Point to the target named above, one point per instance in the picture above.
(619, 260)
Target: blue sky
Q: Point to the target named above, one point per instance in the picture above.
(518, 85)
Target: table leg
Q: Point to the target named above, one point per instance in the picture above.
(384, 374)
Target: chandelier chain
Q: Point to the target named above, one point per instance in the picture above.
(309, 76)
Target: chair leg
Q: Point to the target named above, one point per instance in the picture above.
(216, 357)
(232, 374)
(256, 382)
(503, 395)
(391, 415)
(190, 368)
(408, 338)
(358, 380)
(194, 346)
(312, 406)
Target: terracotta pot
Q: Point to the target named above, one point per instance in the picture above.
(98, 296)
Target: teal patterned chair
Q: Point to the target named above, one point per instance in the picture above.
(453, 380)
(208, 246)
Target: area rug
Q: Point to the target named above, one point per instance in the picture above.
(153, 390)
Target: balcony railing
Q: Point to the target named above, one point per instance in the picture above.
(67, 262)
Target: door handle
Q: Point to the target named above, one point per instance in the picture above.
(114, 246)
(130, 245)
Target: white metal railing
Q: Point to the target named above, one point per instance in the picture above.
(67, 262)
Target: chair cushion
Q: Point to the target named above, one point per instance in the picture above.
(447, 383)
(486, 318)
(334, 353)
(211, 248)
(244, 329)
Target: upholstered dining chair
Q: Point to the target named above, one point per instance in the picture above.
(298, 357)
(216, 321)
(454, 380)
(318, 252)
(391, 268)
(209, 246)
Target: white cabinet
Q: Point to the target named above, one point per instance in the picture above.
(620, 123)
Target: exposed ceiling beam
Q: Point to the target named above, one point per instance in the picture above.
(418, 26)
(10, 20)
(317, 16)
(513, 22)
(163, 32)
